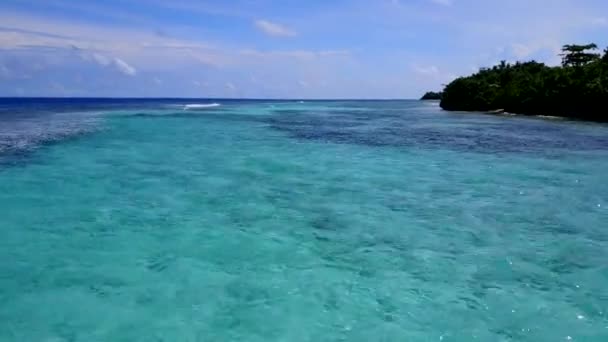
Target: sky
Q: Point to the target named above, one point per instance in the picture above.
(276, 48)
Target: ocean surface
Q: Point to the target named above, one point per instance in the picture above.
(227, 220)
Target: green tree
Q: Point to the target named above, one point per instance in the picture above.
(578, 55)
(579, 89)
(431, 95)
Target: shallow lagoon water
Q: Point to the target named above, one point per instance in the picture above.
(287, 221)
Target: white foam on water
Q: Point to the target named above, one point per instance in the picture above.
(197, 106)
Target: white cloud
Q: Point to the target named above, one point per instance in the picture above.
(105, 61)
(125, 68)
(230, 86)
(100, 59)
(115, 47)
(274, 29)
(27, 32)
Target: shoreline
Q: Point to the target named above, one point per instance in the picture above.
(502, 113)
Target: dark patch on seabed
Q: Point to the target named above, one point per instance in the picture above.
(404, 129)
(21, 133)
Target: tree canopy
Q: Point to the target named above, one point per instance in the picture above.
(431, 95)
(578, 55)
(578, 89)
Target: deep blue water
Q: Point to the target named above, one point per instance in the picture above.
(256, 220)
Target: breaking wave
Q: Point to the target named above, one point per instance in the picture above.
(199, 106)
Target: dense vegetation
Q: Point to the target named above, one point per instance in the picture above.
(431, 95)
(577, 89)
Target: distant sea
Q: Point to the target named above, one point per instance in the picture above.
(252, 220)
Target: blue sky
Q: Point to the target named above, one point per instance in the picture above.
(276, 49)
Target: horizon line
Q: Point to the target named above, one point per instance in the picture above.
(206, 98)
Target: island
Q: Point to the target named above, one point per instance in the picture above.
(577, 89)
(431, 95)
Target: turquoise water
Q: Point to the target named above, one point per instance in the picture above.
(288, 221)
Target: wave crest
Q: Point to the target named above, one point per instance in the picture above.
(199, 106)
